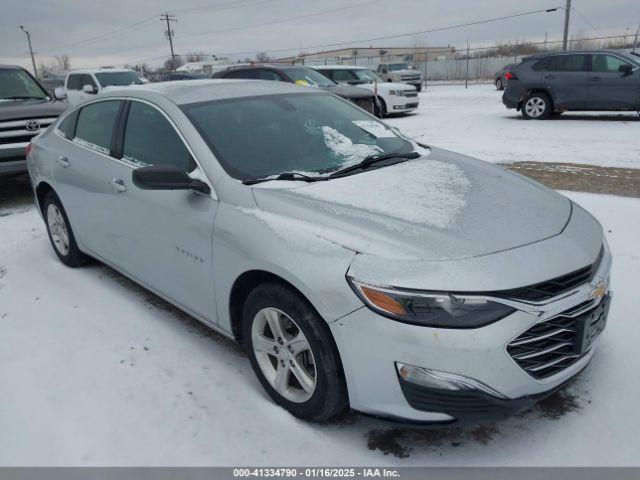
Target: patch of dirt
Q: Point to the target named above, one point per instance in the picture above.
(557, 405)
(582, 178)
(15, 192)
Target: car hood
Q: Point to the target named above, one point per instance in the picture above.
(30, 109)
(347, 91)
(438, 207)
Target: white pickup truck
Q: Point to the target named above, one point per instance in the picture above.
(391, 97)
(401, 72)
(81, 85)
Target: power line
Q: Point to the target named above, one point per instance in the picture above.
(387, 37)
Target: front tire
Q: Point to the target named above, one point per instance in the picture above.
(293, 354)
(381, 108)
(60, 234)
(537, 106)
(419, 87)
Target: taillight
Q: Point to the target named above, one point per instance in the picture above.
(27, 150)
(510, 76)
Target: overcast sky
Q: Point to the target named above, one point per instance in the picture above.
(113, 32)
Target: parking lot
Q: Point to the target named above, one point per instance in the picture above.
(99, 371)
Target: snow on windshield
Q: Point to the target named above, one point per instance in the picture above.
(424, 192)
(342, 147)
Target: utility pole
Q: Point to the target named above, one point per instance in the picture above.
(635, 40)
(567, 14)
(165, 17)
(33, 60)
(466, 75)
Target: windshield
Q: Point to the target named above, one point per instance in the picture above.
(400, 66)
(118, 79)
(368, 76)
(308, 76)
(310, 133)
(16, 84)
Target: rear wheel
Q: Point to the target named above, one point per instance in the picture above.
(60, 233)
(293, 354)
(537, 106)
(499, 85)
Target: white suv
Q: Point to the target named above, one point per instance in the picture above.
(391, 97)
(81, 85)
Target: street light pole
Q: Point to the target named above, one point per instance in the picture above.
(33, 60)
(567, 14)
(635, 40)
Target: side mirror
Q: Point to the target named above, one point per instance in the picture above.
(166, 177)
(60, 93)
(625, 69)
(89, 89)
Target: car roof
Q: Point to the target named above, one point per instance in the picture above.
(11, 67)
(583, 52)
(342, 67)
(100, 70)
(182, 92)
(277, 66)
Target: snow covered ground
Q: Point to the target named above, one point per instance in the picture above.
(476, 123)
(95, 371)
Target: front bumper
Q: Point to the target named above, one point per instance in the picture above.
(370, 346)
(12, 158)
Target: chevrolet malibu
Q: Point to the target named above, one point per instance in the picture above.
(359, 268)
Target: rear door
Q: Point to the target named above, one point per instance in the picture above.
(566, 79)
(609, 88)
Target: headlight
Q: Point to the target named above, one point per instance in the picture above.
(433, 309)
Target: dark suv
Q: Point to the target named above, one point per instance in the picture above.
(26, 109)
(551, 83)
(300, 75)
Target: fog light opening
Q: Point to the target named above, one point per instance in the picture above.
(442, 380)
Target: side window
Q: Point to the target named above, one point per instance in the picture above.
(74, 82)
(95, 125)
(252, 74)
(342, 75)
(68, 125)
(540, 65)
(567, 63)
(264, 74)
(87, 80)
(607, 63)
(149, 139)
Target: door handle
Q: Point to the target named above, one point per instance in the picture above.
(549, 77)
(118, 185)
(63, 161)
(594, 79)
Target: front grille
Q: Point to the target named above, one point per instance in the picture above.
(410, 93)
(555, 344)
(15, 131)
(410, 78)
(411, 105)
(554, 287)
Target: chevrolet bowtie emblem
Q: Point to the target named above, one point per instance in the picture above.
(599, 291)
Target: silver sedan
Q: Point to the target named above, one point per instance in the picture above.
(358, 268)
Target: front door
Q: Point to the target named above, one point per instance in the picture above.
(162, 238)
(609, 88)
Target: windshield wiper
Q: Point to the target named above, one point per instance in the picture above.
(371, 159)
(285, 176)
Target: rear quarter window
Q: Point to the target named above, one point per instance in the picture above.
(94, 128)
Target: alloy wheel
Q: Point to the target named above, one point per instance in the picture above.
(535, 107)
(283, 354)
(58, 229)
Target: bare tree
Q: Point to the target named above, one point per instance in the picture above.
(62, 62)
(170, 65)
(262, 57)
(195, 57)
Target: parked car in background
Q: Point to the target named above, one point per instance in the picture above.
(26, 109)
(401, 73)
(300, 75)
(551, 83)
(391, 97)
(501, 76)
(173, 76)
(357, 267)
(81, 85)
